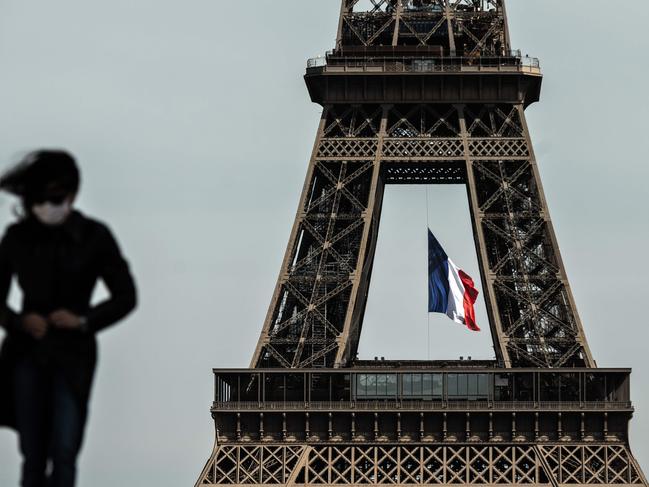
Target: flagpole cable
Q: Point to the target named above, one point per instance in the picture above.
(428, 338)
(427, 210)
(427, 310)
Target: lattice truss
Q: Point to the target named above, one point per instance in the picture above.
(423, 145)
(309, 312)
(422, 465)
(413, 131)
(468, 27)
(539, 323)
(317, 311)
(423, 133)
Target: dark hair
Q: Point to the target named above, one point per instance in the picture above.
(40, 171)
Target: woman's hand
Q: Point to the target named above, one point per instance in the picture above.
(65, 320)
(35, 324)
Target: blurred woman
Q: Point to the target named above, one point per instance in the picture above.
(56, 254)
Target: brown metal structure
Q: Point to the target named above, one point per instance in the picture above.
(422, 92)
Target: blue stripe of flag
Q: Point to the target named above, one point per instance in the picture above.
(438, 287)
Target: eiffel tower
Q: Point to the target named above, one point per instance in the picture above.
(422, 92)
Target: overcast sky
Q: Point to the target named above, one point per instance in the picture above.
(193, 128)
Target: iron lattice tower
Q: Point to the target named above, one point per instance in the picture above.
(422, 92)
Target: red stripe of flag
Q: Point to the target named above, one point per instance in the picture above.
(470, 297)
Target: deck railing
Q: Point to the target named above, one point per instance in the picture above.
(423, 64)
(449, 405)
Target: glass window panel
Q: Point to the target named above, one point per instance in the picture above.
(361, 385)
(462, 385)
(570, 387)
(340, 388)
(391, 386)
(416, 385)
(320, 387)
(406, 384)
(502, 384)
(616, 387)
(371, 384)
(427, 385)
(483, 385)
(381, 384)
(549, 382)
(523, 387)
(595, 387)
(295, 387)
(438, 385)
(452, 384)
(472, 384)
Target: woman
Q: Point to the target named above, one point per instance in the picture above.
(57, 255)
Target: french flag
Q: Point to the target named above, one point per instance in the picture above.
(450, 289)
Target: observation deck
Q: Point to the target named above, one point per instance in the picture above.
(396, 403)
(367, 75)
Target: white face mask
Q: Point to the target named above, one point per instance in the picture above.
(51, 214)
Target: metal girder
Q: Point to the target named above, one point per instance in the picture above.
(311, 313)
(316, 316)
(470, 27)
(423, 464)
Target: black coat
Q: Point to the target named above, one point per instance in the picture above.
(57, 267)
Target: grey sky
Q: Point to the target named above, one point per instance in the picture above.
(193, 128)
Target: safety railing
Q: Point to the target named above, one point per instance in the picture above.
(449, 405)
(410, 64)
